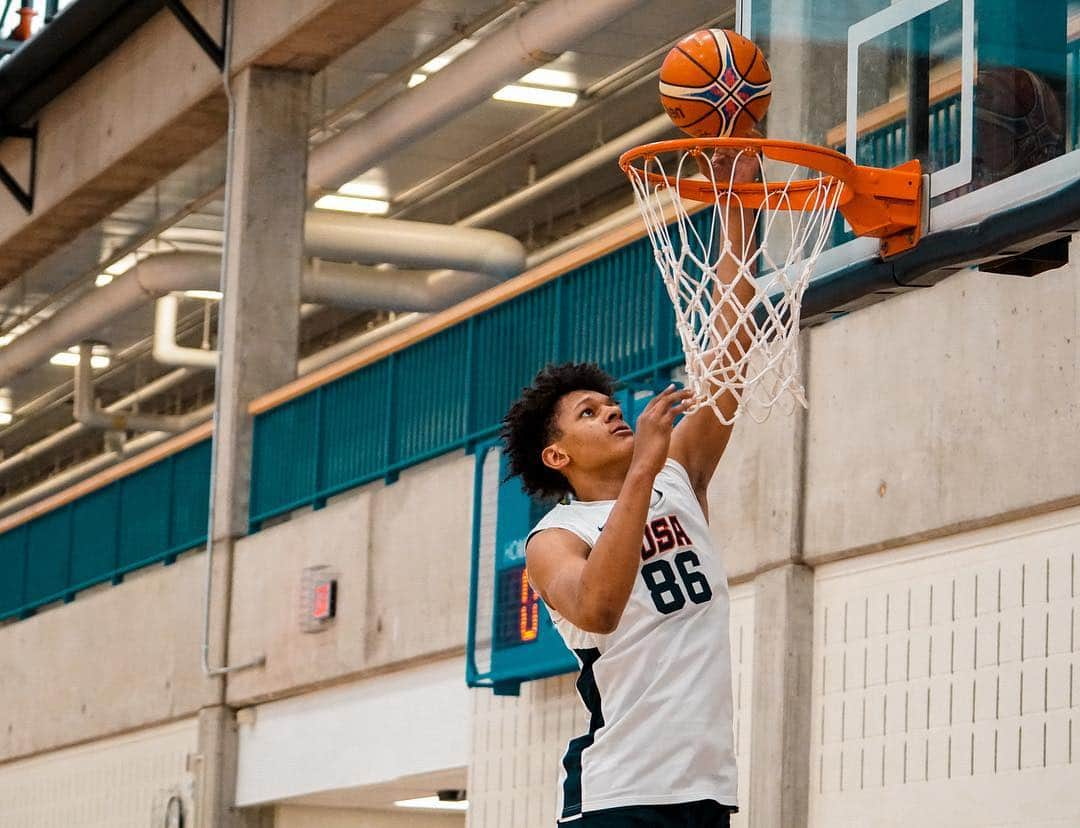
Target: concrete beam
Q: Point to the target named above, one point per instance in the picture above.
(123, 126)
(941, 410)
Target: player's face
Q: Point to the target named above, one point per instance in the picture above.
(592, 431)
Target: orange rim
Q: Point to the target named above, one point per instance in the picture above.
(876, 202)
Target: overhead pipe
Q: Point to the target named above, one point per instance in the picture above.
(166, 350)
(89, 414)
(339, 236)
(537, 37)
(42, 447)
(411, 244)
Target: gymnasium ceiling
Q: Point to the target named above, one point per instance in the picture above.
(472, 161)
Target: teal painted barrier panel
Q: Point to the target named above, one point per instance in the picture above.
(144, 527)
(191, 497)
(145, 518)
(13, 569)
(48, 551)
(353, 441)
(95, 525)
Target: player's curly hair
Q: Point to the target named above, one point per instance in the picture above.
(529, 425)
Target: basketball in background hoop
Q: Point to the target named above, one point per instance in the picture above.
(715, 84)
(1018, 123)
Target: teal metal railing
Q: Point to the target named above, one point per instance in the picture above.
(145, 518)
(451, 390)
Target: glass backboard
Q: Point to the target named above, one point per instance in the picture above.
(983, 92)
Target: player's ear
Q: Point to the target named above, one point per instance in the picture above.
(554, 457)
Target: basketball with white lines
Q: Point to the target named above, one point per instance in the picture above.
(715, 83)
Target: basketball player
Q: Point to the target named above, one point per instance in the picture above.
(627, 566)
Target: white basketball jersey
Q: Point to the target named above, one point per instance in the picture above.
(658, 689)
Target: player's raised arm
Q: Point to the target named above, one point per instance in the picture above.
(590, 588)
(701, 438)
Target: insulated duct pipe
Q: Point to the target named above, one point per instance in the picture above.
(411, 244)
(88, 413)
(339, 236)
(536, 38)
(85, 316)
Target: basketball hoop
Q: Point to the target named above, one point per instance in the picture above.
(737, 269)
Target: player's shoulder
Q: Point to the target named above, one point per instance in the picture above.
(675, 473)
(569, 517)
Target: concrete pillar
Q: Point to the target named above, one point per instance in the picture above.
(258, 332)
(259, 323)
(780, 738)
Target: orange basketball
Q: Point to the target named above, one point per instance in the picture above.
(715, 83)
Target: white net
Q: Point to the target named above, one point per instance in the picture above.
(736, 272)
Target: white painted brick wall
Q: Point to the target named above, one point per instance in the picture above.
(947, 681)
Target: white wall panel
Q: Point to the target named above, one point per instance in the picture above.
(945, 681)
(123, 782)
(369, 732)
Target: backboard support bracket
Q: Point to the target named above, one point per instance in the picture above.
(206, 42)
(25, 197)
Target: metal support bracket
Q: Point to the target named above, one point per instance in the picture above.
(203, 37)
(25, 197)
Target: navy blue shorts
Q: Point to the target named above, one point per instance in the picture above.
(703, 814)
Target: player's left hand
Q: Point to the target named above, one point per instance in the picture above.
(747, 166)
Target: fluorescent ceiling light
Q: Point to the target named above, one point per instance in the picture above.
(415, 79)
(446, 58)
(122, 266)
(536, 96)
(212, 295)
(103, 279)
(551, 77)
(6, 339)
(70, 358)
(433, 803)
(348, 204)
(6, 415)
(363, 189)
(5, 418)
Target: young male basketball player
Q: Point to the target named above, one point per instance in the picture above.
(637, 589)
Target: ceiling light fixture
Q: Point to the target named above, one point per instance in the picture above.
(99, 359)
(348, 204)
(103, 279)
(433, 803)
(415, 79)
(557, 78)
(443, 60)
(363, 189)
(6, 407)
(536, 96)
(123, 265)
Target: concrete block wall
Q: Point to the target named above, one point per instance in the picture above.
(943, 409)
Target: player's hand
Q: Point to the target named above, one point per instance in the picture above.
(718, 166)
(653, 434)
